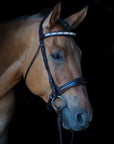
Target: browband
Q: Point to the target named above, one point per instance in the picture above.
(57, 33)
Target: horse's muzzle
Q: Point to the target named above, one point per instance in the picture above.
(76, 120)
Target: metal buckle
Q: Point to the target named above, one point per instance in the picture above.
(59, 108)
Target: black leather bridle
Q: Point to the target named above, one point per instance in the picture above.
(56, 91)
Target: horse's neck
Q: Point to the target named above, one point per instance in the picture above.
(15, 39)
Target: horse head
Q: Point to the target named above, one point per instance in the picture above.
(64, 58)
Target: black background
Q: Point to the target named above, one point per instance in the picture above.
(31, 122)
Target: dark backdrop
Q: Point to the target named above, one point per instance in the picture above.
(31, 122)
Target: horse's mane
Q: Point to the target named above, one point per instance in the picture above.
(42, 13)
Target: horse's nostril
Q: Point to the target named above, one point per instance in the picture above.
(80, 117)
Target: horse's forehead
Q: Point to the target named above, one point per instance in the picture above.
(58, 27)
(61, 42)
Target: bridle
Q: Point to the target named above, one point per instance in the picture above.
(56, 91)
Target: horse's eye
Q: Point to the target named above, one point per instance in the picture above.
(58, 56)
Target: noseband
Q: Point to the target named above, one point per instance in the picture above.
(56, 91)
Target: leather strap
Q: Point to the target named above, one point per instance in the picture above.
(72, 83)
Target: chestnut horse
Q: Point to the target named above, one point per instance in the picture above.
(19, 40)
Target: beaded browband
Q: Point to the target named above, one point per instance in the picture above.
(58, 33)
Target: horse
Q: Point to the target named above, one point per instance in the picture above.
(19, 41)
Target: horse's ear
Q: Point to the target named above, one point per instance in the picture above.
(53, 16)
(75, 19)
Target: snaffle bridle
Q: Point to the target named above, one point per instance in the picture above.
(56, 91)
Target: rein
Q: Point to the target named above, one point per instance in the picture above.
(56, 91)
